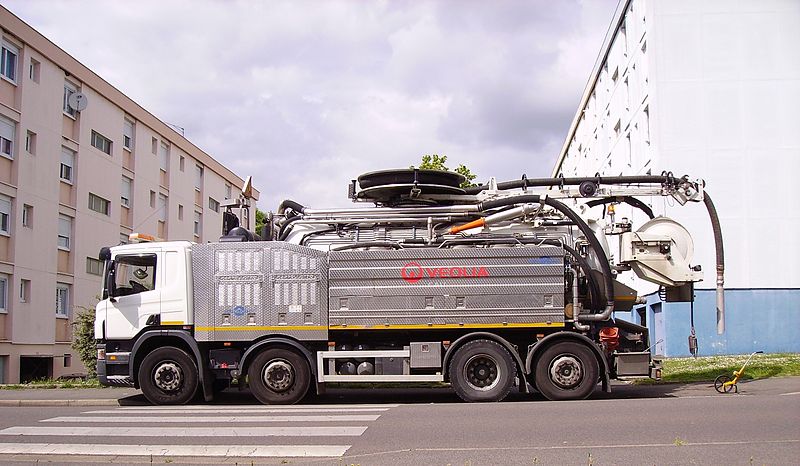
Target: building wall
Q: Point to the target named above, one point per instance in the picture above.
(707, 89)
(30, 177)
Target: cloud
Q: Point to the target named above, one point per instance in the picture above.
(304, 96)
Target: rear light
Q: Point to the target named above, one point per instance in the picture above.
(101, 354)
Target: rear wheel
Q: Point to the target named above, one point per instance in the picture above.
(482, 370)
(566, 371)
(279, 376)
(168, 376)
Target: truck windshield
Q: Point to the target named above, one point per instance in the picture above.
(134, 274)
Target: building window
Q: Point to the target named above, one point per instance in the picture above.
(3, 293)
(154, 145)
(30, 142)
(127, 134)
(227, 191)
(94, 266)
(198, 177)
(8, 64)
(64, 232)
(7, 130)
(162, 207)
(27, 216)
(126, 189)
(34, 70)
(101, 142)
(198, 223)
(67, 162)
(5, 215)
(180, 211)
(62, 300)
(152, 199)
(99, 205)
(213, 204)
(163, 156)
(182, 162)
(24, 290)
(69, 89)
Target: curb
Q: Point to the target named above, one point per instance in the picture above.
(26, 403)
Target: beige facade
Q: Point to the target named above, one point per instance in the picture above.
(74, 181)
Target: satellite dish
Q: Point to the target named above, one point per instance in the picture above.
(77, 101)
(663, 226)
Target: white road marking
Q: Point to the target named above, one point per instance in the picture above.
(210, 419)
(237, 411)
(791, 393)
(350, 431)
(174, 450)
(279, 407)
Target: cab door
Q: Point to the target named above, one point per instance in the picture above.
(135, 295)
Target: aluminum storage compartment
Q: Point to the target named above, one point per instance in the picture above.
(447, 288)
(246, 290)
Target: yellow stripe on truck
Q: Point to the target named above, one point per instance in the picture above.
(284, 328)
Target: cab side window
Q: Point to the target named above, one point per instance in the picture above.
(134, 274)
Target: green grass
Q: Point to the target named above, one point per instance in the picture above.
(706, 369)
(50, 383)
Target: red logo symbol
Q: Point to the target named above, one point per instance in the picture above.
(411, 272)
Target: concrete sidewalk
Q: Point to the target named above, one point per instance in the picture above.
(109, 396)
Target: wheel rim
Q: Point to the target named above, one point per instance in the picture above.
(566, 371)
(278, 375)
(482, 372)
(168, 376)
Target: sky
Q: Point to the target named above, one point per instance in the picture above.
(304, 95)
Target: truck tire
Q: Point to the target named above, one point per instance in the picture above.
(566, 370)
(279, 376)
(482, 370)
(168, 376)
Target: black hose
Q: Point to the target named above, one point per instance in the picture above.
(632, 201)
(720, 253)
(526, 182)
(594, 243)
(594, 289)
(290, 204)
(286, 227)
(368, 244)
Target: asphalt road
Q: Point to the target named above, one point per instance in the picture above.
(671, 424)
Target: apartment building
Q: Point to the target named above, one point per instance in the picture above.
(708, 89)
(81, 166)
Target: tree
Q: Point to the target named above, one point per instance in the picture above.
(261, 220)
(437, 162)
(83, 341)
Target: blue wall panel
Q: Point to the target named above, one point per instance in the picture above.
(762, 319)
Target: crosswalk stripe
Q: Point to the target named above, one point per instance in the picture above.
(238, 411)
(174, 450)
(281, 407)
(210, 419)
(312, 431)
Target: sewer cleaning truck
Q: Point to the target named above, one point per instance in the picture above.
(499, 287)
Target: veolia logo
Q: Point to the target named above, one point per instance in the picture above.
(413, 272)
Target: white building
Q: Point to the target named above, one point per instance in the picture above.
(73, 181)
(710, 89)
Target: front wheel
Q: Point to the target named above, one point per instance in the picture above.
(566, 371)
(719, 384)
(168, 376)
(482, 370)
(279, 376)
